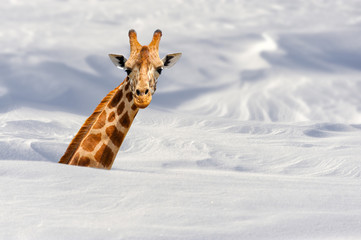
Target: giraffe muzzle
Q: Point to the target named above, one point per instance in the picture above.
(142, 100)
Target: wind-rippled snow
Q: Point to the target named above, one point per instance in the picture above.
(254, 134)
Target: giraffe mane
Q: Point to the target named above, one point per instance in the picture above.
(75, 143)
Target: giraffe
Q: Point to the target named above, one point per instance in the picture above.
(98, 141)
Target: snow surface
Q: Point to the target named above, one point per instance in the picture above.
(254, 134)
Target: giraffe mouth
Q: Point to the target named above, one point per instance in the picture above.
(142, 101)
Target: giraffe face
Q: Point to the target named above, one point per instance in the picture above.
(143, 72)
(144, 67)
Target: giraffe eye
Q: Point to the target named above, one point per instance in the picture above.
(159, 70)
(128, 71)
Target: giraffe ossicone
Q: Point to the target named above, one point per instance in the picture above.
(98, 141)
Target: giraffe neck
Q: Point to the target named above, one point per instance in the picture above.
(101, 139)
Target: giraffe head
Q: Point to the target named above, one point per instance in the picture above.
(144, 67)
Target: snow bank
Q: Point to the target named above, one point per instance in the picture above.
(254, 134)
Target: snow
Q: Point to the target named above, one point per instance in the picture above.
(254, 134)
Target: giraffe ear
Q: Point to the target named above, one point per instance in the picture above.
(118, 60)
(170, 59)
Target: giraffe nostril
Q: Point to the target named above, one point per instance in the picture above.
(141, 93)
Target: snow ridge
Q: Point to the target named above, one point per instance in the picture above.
(254, 134)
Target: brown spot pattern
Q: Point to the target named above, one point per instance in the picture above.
(101, 121)
(91, 141)
(129, 96)
(114, 102)
(127, 86)
(84, 161)
(115, 136)
(124, 120)
(111, 117)
(134, 107)
(105, 156)
(120, 108)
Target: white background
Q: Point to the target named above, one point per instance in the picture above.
(254, 134)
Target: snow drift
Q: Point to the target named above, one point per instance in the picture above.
(254, 134)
